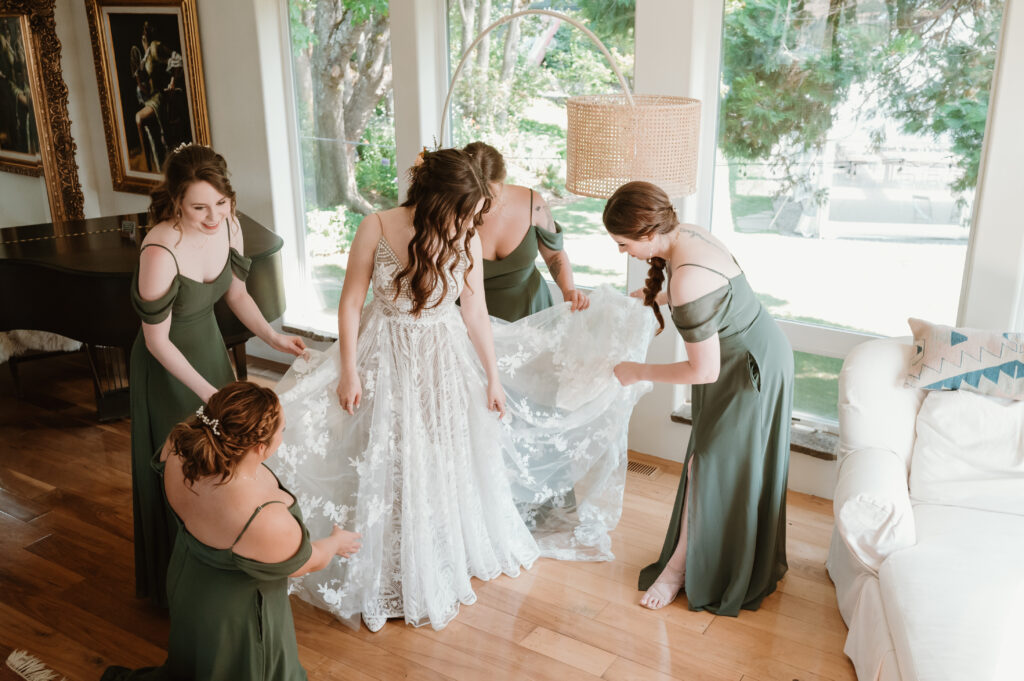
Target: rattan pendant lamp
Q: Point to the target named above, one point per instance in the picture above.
(612, 139)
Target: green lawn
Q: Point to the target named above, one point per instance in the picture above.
(581, 216)
(817, 385)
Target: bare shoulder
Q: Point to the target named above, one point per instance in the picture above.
(371, 227)
(541, 216)
(162, 234)
(699, 234)
(158, 264)
(166, 452)
(689, 283)
(273, 536)
(399, 216)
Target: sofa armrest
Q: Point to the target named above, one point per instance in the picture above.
(872, 505)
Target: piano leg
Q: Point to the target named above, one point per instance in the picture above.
(13, 366)
(109, 367)
(238, 351)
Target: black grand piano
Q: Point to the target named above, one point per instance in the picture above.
(75, 282)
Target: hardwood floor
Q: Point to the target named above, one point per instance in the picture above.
(67, 593)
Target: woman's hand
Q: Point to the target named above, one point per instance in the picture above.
(639, 293)
(349, 391)
(496, 398)
(348, 542)
(579, 301)
(293, 345)
(628, 373)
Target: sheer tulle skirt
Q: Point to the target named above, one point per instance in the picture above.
(441, 490)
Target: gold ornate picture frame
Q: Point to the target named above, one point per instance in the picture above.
(150, 74)
(35, 125)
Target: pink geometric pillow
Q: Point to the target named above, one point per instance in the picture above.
(948, 358)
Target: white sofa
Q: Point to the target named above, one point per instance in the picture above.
(931, 586)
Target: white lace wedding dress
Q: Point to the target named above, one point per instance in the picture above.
(440, 489)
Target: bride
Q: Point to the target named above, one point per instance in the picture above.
(402, 431)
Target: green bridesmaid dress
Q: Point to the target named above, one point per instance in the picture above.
(739, 448)
(159, 401)
(230, 615)
(513, 286)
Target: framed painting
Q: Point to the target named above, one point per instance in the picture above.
(151, 86)
(19, 128)
(35, 131)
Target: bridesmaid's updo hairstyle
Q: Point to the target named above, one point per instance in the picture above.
(214, 440)
(185, 166)
(445, 187)
(638, 210)
(490, 160)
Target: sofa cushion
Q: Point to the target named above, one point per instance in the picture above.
(969, 452)
(953, 602)
(947, 358)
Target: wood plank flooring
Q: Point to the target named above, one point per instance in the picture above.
(67, 593)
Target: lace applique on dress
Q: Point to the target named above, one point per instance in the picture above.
(440, 489)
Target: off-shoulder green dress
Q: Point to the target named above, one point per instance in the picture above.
(739, 448)
(230, 615)
(159, 401)
(513, 286)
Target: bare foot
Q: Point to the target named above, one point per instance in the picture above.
(665, 588)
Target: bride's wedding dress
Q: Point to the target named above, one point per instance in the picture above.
(441, 490)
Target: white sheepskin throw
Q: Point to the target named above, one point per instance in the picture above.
(14, 343)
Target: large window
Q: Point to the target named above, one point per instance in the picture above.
(341, 65)
(850, 135)
(512, 93)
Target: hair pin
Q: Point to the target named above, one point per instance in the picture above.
(213, 424)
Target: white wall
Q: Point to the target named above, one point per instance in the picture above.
(23, 200)
(86, 118)
(994, 277)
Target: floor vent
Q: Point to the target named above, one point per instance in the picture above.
(642, 470)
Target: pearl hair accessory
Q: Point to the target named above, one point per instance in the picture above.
(213, 424)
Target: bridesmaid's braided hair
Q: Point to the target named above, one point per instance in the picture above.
(638, 210)
(239, 417)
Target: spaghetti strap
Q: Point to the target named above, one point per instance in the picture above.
(710, 269)
(228, 221)
(253, 517)
(178, 269)
(531, 207)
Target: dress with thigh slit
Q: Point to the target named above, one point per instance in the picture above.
(739, 451)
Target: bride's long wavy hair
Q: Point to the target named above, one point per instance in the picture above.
(444, 190)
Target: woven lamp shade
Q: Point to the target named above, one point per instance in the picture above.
(610, 142)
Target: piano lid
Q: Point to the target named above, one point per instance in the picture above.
(96, 245)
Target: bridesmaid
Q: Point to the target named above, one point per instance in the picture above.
(726, 541)
(240, 536)
(517, 225)
(191, 257)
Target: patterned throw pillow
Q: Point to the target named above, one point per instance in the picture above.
(946, 358)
